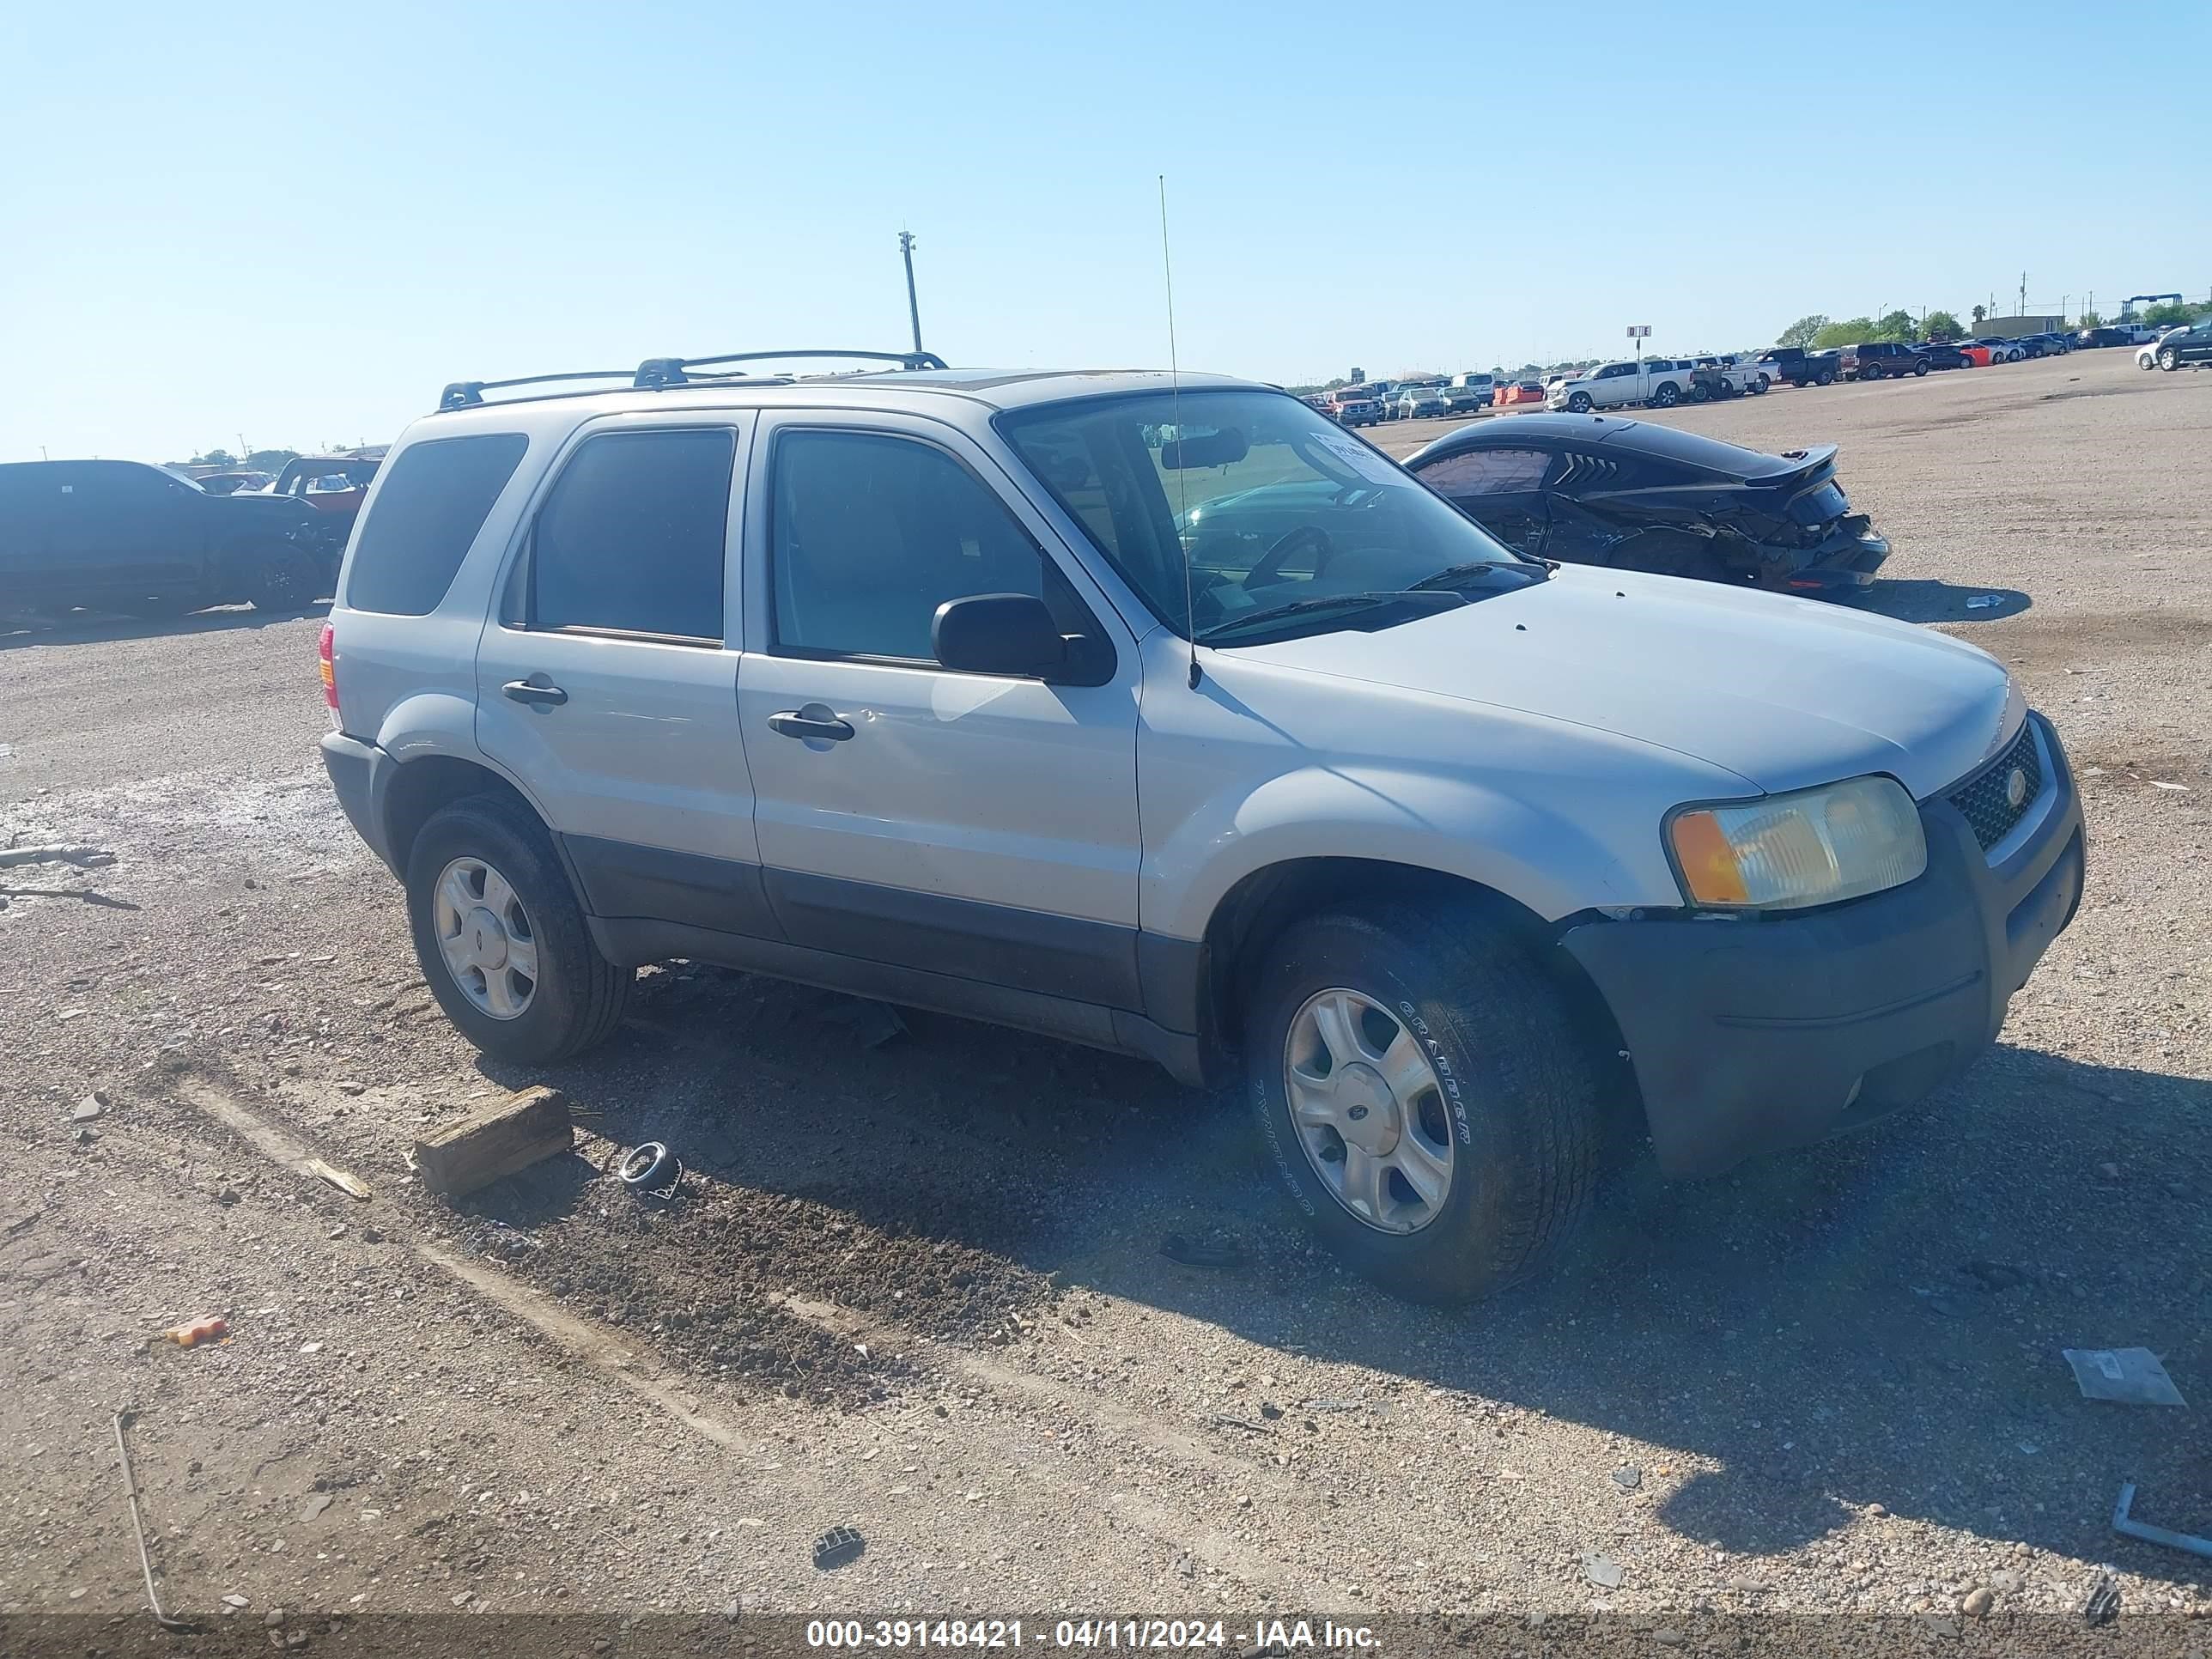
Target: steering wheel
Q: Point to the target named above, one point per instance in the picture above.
(1263, 574)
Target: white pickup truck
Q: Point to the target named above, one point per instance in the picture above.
(1661, 381)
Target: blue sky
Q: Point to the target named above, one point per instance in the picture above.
(296, 223)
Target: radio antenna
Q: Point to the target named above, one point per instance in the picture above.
(1174, 414)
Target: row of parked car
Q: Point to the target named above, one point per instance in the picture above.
(1663, 382)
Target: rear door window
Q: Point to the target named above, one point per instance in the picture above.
(426, 517)
(1486, 472)
(631, 539)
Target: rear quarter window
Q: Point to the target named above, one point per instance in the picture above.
(434, 498)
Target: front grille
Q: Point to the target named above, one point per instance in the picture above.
(1984, 798)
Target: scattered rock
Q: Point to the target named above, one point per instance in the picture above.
(235, 1601)
(274, 1619)
(1602, 1571)
(1628, 1477)
(316, 1504)
(1745, 1585)
(1976, 1603)
(89, 1107)
(1668, 1637)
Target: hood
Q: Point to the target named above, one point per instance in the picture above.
(256, 501)
(1785, 693)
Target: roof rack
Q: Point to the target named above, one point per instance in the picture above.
(656, 373)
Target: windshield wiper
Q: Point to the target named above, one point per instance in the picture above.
(1452, 575)
(1362, 601)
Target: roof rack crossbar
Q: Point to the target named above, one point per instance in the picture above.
(670, 371)
(463, 394)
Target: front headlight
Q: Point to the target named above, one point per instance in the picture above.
(1814, 847)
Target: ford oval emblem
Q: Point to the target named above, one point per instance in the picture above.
(2016, 789)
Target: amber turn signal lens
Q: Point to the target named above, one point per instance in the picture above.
(1707, 861)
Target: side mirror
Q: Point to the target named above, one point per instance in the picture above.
(998, 633)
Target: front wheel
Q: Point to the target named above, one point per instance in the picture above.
(2169, 359)
(1760, 386)
(286, 582)
(1920, 368)
(1578, 403)
(1667, 395)
(1424, 1094)
(501, 939)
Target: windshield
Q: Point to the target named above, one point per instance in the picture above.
(1273, 503)
(182, 477)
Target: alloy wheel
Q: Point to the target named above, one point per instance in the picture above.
(485, 936)
(1368, 1110)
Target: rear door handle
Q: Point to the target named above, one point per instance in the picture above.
(817, 720)
(548, 696)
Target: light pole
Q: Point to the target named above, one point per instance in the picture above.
(913, 309)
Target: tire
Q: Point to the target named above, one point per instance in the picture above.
(1761, 387)
(1578, 403)
(1826, 378)
(2169, 359)
(1666, 395)
(1509, 1089)
(1920, 368)
(577, 997)
(286, 582)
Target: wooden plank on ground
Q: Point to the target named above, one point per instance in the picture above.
(494, 1140)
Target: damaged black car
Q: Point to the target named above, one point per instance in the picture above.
(1592, 489)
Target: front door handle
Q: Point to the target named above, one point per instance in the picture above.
(817, 720)
(530, 691)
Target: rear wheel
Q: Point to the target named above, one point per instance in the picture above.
(1760, 386)
(1424, 1094)
(501, 939)
(1667, 395)
(1920, 367)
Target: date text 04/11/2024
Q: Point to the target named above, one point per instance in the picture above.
(1280, 1635)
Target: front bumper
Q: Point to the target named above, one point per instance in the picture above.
(359, 773)
(1749, 1036)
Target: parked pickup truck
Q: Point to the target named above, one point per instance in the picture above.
(1661, 382)
(1357, 405)
(1456, 865)
(1798, 366)
(1713, 378)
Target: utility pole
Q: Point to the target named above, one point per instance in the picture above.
(2022, 312)
(913, 309)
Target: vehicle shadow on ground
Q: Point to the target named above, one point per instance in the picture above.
(1877, 1320)
(1926, 600)
(89, 628)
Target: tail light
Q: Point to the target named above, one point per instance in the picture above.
(326, 660)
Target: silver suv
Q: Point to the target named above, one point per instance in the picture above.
(1170, 717)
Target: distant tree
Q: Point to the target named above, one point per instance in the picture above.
(2091, 320)
(1980, 312)
(1852, 331)
(269, 461)
(1896, 326)
(1941, 325)
(1803, 331)
(2169, 316)
(214, 458)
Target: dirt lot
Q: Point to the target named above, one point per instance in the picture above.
(917, 1289)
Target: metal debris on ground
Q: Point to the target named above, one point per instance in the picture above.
(1226, 1421)
(214, 1328)
(138, 1527)
(650, 1170)
(2127, 1376)
(2103, 1605)
(2127, 1527)
(1602, 1571)
(1189, 1253)
(351, 1185)
(838, 1546)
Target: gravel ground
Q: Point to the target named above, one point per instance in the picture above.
(916, 1289)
